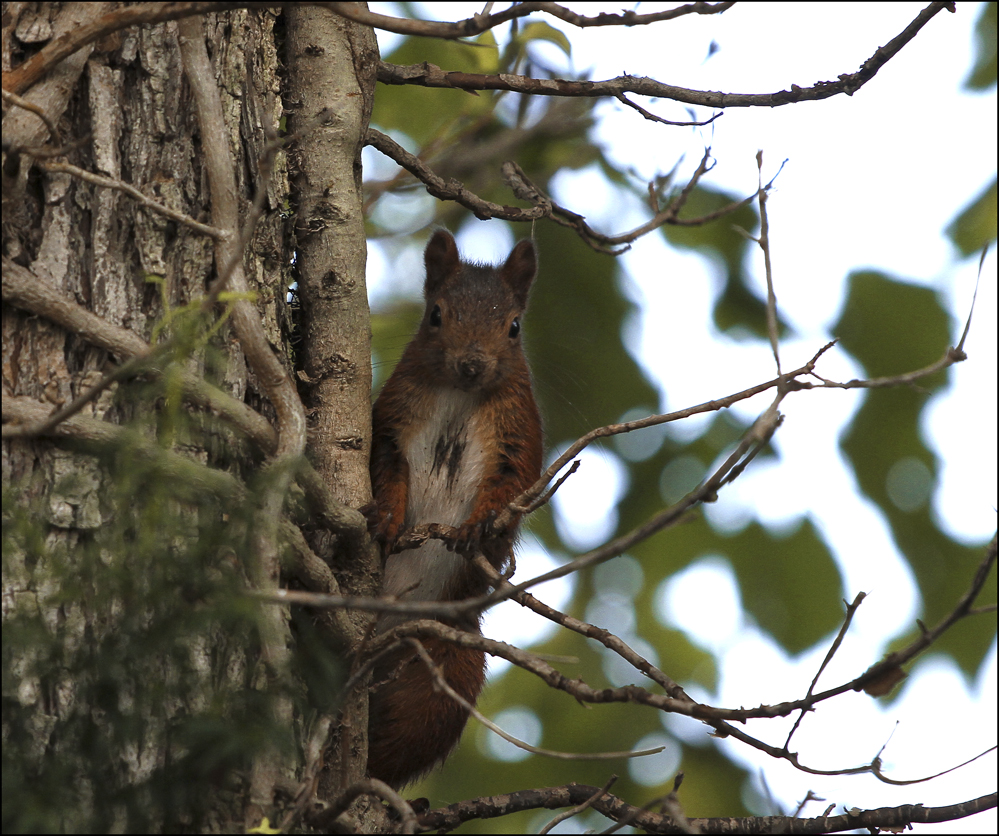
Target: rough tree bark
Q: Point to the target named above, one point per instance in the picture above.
(332, 65)
(124, 109)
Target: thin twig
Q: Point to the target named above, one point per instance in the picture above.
(579, 808)
(267, 765)
(449, 189)
(764, 242)
(653, 118)
(16, 100)
(54, 167)
(442, 684)
(851, 610)
(325, 821)
(974, 298)
(482, 22)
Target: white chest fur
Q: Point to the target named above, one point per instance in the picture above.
(447, 462)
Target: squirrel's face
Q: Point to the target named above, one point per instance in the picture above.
(470, 334)
(471, 343)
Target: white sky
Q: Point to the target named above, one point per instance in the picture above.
(871, 182)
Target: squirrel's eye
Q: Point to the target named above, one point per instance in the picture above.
(435, 316)
(515, 327)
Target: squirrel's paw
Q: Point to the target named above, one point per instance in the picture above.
(380, 526)
(468, 540)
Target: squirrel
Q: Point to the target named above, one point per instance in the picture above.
(456, 436)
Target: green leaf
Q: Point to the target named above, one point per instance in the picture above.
(975, 227)
(789, 582)
(895, 469)
(584, 376)
(892, 327)
(541, 31)
(983, 74)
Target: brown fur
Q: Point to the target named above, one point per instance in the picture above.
(465, 358)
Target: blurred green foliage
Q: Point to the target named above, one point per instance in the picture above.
(788, 578)
(975, 227)
(889, 327)
(983, 73)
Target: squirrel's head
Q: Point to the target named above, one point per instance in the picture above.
(471, 327)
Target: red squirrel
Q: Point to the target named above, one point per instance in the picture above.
(456, 437)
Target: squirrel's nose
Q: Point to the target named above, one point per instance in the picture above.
(471, 368)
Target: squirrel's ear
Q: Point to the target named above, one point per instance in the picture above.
(442, 260)
(520, 269)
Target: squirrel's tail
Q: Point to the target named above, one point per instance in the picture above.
(412, 725)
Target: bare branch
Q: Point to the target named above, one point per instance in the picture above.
(653, 118)
(544, 205)
(265, 570)
(851, 609)
(757, 435)
(131, 191)
(950, 357)
(273, 377)
(543, 500)
(876, 770)
(326, 820)
(526, 190)
(583, 442)
(974, 298)
(481, 22)
(430, 75)
(35, 293)
(449, 189)
(896, 818)
(764, 242)
(677, 702)
(579, 808)
(963, 609)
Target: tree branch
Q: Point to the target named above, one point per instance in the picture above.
(430, 75)
(677, 701)
(549, 798)
(449, 189)
(147, 202)
(36, 294)
(544, 205)
(35, 68)
(481, 22)
(326, 820)
(38, 111)
(442, 684)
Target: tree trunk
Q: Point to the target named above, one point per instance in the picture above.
(84, 724)
(332, 64)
